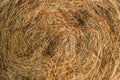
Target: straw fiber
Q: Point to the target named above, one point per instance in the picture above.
(59, 39)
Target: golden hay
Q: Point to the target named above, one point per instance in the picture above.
(59, 39)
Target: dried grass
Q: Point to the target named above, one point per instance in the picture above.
(59, 39)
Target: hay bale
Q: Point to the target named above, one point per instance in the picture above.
(59, 40)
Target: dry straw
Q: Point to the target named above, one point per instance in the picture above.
(59, 39)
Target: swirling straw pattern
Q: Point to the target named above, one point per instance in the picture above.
(59, 39)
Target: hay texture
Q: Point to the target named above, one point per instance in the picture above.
(59, 39)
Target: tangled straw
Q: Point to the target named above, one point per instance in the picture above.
(59, 40)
